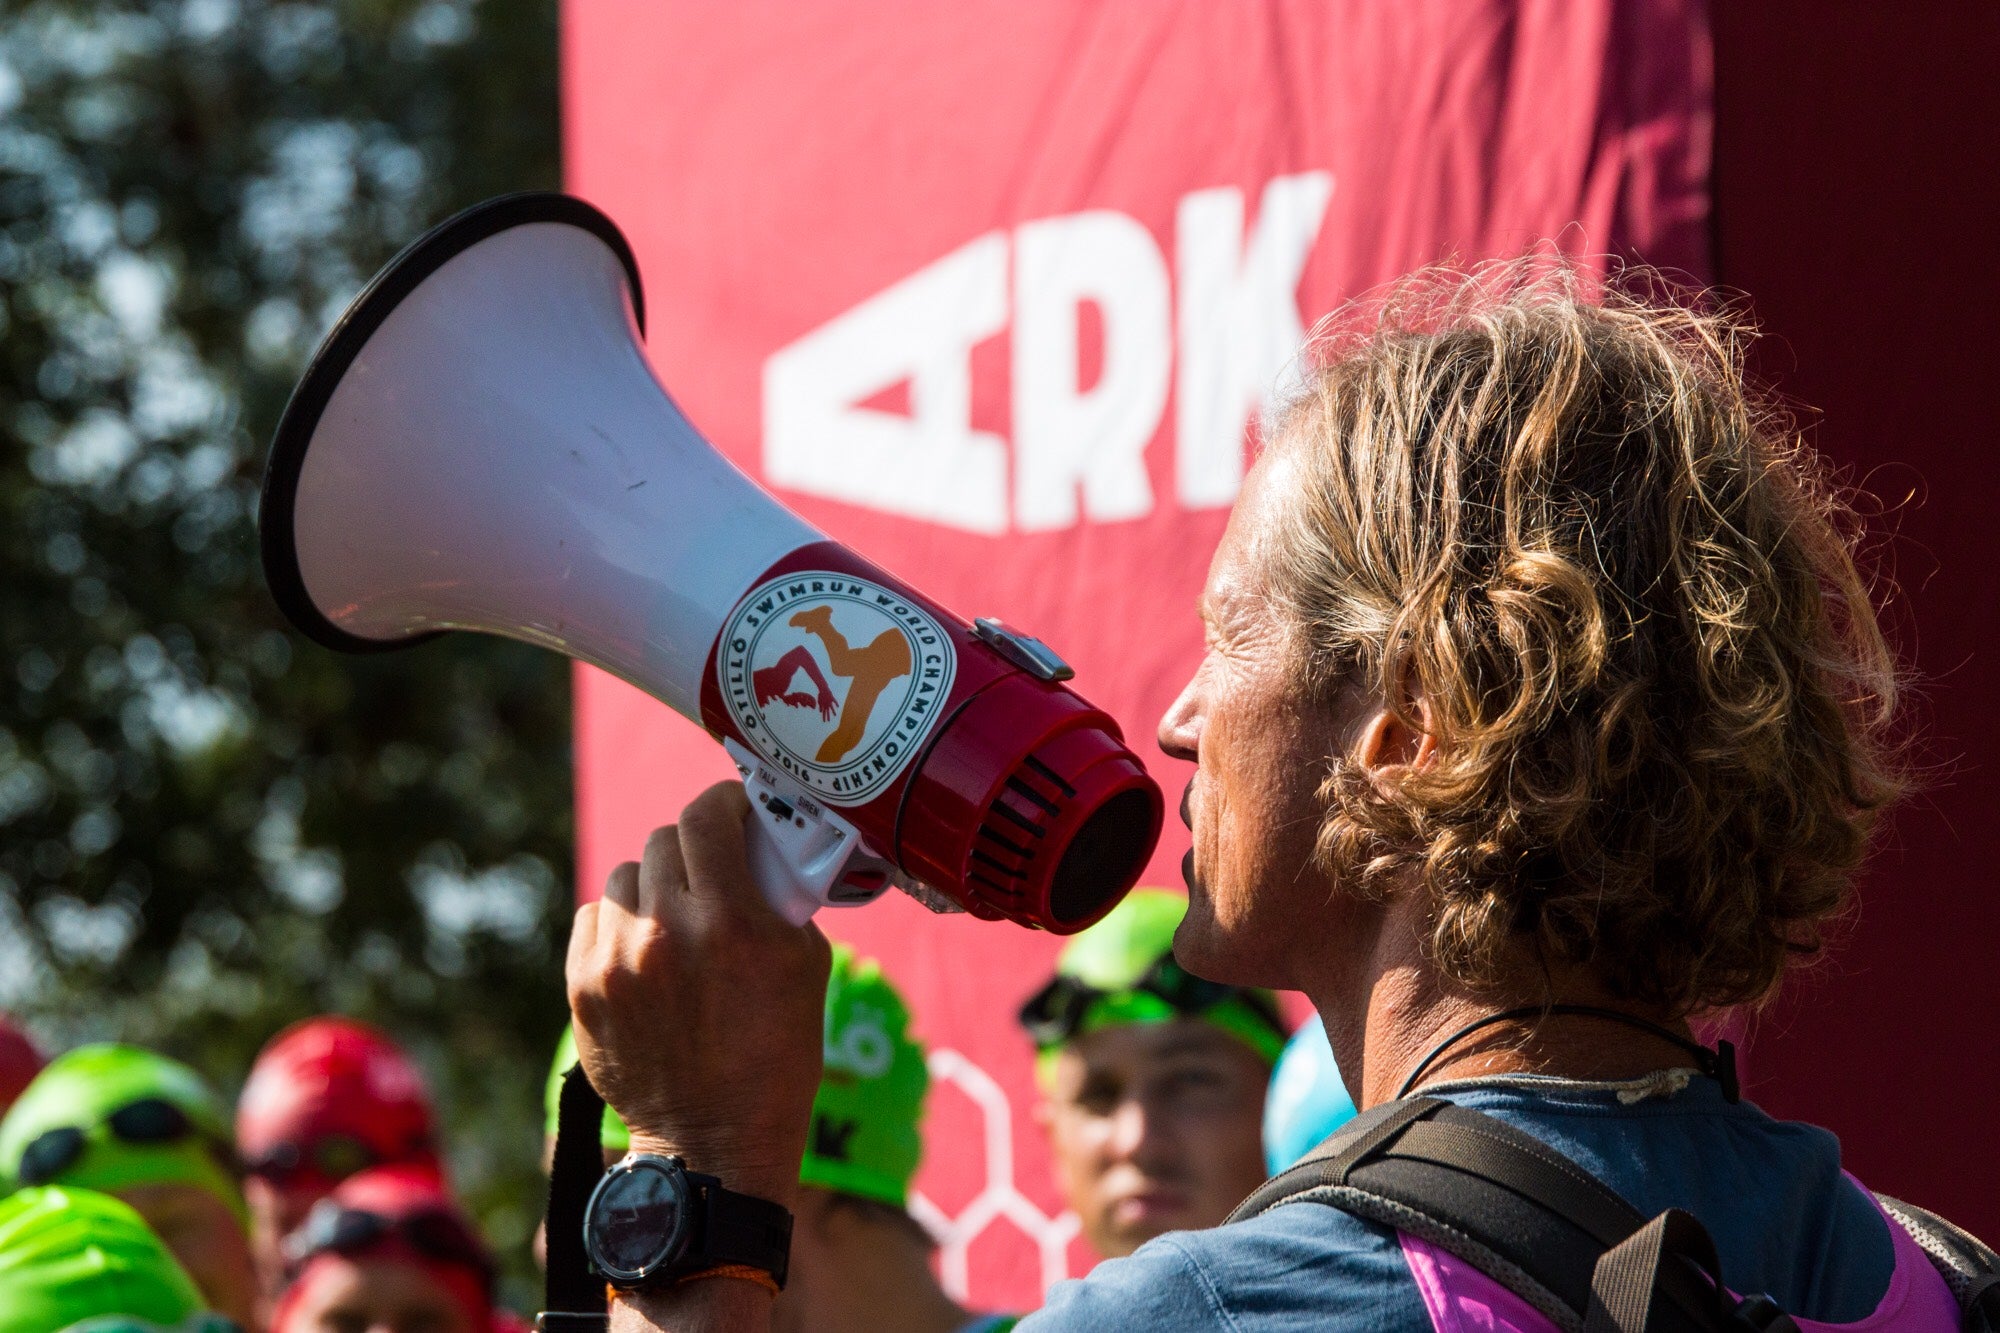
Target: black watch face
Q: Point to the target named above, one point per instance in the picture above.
(637, 1219)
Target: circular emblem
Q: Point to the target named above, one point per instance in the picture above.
(835, 680)
(862, 1048)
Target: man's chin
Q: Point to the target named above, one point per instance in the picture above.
(1199, 944)
(1217, 951)
(1135, 1223)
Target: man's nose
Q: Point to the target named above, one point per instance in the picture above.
(1180, 725)
(1128, 1129)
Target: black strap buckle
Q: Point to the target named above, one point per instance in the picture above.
(1761, 1314)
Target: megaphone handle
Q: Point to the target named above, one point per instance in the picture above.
(802, 855)
(788, 895)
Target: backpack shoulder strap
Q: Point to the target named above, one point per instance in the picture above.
(1516, 1209)
(1969, 1267)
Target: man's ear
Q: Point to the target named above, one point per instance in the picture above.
(1387, 742)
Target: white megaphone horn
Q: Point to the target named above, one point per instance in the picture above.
(479, 444)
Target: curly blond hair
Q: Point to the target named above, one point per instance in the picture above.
(1628, 598)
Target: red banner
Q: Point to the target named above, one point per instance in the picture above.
(994, 292)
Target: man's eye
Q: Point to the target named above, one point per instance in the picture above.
(1099, 1098)
(1192, 1082)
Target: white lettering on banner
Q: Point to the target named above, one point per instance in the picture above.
(1078, 449)
(1068, 437)
(930, 464)
(1238, 323)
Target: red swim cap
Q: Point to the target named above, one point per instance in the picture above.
(332, 1076)
(20, 1061)
(397, 1215)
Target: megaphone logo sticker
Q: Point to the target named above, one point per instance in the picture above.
(835, 679)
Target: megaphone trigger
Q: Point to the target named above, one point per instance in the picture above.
(802, 855)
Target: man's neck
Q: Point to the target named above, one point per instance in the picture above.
(1387, 1007)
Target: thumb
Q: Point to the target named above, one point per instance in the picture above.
(715, 851)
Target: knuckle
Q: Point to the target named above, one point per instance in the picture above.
(663, 844)
(717, 805)
(652, 953)
(621, 886)
(586, 1002)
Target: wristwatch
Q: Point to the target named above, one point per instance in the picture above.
(651, 1220)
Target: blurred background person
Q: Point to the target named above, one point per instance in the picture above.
(388, 1251)
(135, 1124)
(1152, 1079)
(75, 1257)
(1307, 1100)
(327, 1098)
(858, 1259)
(20, 1061)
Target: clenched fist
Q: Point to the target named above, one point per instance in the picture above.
(698, 1009)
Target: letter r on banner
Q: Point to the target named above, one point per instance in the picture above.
(1069, 439)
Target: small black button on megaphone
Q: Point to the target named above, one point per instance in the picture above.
(479, 444)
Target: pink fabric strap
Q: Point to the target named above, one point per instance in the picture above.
(1461, 1299)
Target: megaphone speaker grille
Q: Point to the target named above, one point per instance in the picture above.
(337, 354)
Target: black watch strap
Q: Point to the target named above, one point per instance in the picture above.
(738, 1229)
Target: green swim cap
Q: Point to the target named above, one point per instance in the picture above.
(68, 1255)
(82, 1089)
(1117, 953)
(867, 1118)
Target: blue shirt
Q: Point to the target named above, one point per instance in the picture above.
(1771, 1193)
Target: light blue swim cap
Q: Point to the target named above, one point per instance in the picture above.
(1307, 1100)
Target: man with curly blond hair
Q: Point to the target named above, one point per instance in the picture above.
(1544, 710)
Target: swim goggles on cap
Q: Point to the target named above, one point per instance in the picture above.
(433, 1233)
(1057, 1011)
(124, 1323)
(330, 1157)
(147, 1122)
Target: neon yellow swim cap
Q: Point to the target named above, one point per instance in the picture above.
(867, 1122)
(1121, 970)
(83, 1089)
(68, 1255)
(866, 1137)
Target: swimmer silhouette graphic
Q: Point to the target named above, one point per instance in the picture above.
(869, 669)
(772, 683)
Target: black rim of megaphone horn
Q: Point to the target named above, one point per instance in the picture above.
(343, 343)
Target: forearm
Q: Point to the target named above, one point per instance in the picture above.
(717, 1305)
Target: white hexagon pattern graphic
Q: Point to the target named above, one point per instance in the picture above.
(998, 1198)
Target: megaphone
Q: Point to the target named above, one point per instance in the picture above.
(479, 444)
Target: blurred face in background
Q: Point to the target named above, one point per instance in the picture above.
(327, 1098)
(1154, 1127)
(279, 1201)
(205, 1236)
(339, 1295)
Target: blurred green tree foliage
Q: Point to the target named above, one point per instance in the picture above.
(208, 826)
